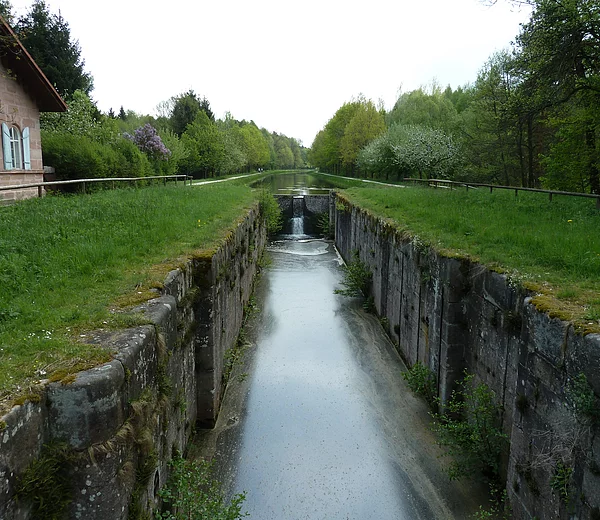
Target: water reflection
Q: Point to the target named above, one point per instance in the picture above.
(296, 183)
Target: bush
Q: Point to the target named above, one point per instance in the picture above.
(271, 212)
(468, 429)
(357, 278)
(79, 157)
(193, 494)
(421, 380)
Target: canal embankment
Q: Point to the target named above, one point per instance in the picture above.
(97, 443)
(454, 315)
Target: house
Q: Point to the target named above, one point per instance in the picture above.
(24, 93)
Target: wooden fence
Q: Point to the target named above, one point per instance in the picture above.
(42, 185)
(442, 183)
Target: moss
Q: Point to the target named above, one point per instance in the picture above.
(32, 396)
(46, 482)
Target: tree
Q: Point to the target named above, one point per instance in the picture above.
(558, 57)
(366, 124)
(185, 109)
(47, 37)
(418, 107)
(146, 138)
(205, 147)
(6, 11)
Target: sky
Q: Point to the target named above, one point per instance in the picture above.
(286, 66)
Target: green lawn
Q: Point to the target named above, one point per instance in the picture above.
(550, 247)
(67, 263)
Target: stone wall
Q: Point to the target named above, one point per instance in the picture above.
(454, 315)
(312, 205)
(114, 428)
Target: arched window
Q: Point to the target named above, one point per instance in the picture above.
(15, 148)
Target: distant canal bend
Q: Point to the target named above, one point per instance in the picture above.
(318, 423)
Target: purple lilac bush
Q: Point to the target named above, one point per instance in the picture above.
(146, 138)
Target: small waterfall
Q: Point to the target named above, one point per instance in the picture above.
(297, 220)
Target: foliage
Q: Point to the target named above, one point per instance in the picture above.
(6, 11)
(192, 493)
(47, 37)
(146, 138)
(186, 108)
(561, 479)
(66, 261)
(271, 212)
(356, 278)
(46, 483)
(421, 380)
(467, 428)
(583, 398)
(410, 150)
(81, 118)
(205, 147)
(79, 157)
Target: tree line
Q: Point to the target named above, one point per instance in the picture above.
(185, 137)
(531, 118)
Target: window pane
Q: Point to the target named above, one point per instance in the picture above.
(16, 147)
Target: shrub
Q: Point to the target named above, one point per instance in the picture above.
(271, 212)
(193, 494)
(356, 278)
(468, 429)
(421, 380)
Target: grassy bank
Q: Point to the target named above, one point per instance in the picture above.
(552, 248)
(68, 264)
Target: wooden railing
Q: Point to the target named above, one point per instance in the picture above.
(42, 185)
(442, 183)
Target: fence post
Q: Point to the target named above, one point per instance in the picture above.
(83, 187)
(40, 191)
(516, 192)
(550, 196)
(597, 202)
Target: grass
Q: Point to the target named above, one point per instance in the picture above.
(68, 263)
(552, 248)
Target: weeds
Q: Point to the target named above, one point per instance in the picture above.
(356, 278)
(468, 429)
(271, 212)
(46, 483)
(192, 493)
(421, 380)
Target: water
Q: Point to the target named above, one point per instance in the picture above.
(318, 424)
(296, 184)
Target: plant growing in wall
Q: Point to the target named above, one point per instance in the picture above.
(271, 212)
(421, 380)
(193, 494)
(356, 278)
(468, 429)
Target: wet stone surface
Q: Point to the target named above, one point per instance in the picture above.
(318, 423)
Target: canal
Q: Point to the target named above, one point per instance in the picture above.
(317, 422)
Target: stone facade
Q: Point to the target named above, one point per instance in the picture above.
(454, 315)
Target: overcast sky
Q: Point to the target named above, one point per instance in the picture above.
(287, 66)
